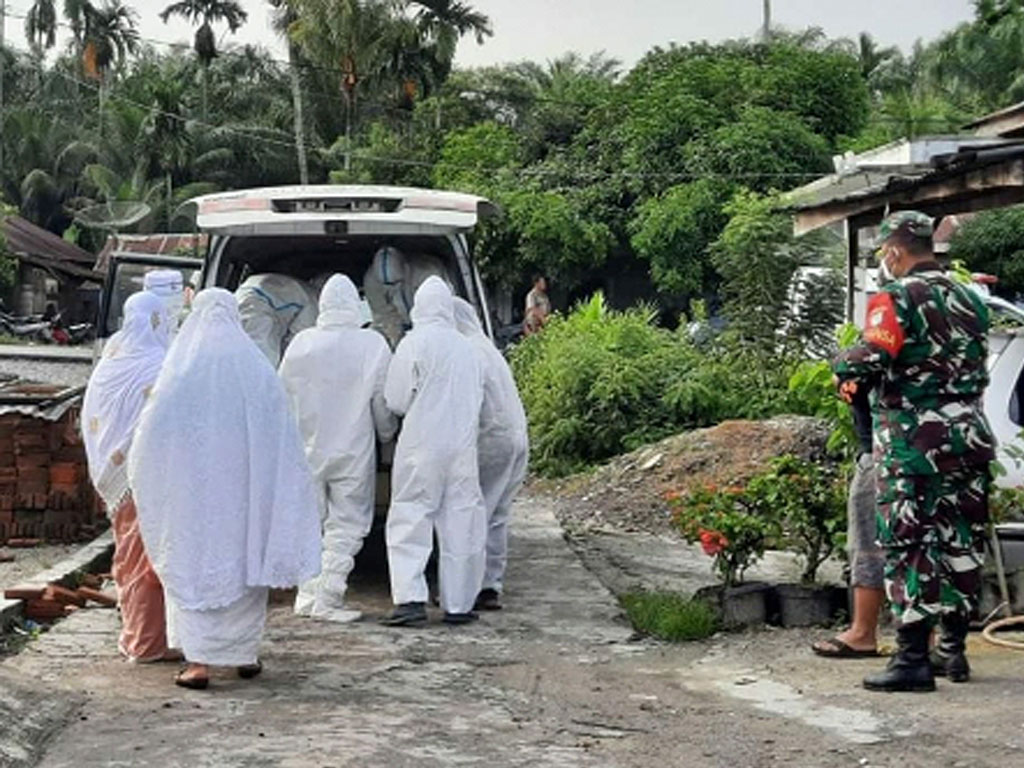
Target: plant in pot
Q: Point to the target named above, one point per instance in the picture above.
(735, 535)
(810, 502)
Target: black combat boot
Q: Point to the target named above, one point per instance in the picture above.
(948, 658)
(909, 669)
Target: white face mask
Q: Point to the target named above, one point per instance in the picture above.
(885, 274)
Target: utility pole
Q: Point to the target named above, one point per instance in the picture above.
(766, 29)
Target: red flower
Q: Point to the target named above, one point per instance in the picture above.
(712, 542)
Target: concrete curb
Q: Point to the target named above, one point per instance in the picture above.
(47, 354)
(94, 555)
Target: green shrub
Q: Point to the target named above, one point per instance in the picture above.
(597, 383)
(669, 616)
(730, 525)
(810, 502)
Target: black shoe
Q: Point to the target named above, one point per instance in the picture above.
(910, 669)
(407, 615)
(249, 671)
(461, 618)
(948, 658)
(488, 600)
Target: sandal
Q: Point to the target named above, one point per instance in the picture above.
(249, 671)
(192, 683)
(834, 648)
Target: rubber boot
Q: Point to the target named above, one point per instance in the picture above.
(909, 669)
(948, 658)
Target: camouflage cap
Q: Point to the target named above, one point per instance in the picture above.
(913, 222)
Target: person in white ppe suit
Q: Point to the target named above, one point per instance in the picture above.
(334, 375)
(390, 285)
(503, 448)
(436, 382)
(274, 308)
(169, 285)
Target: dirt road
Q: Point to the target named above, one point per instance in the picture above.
(554, 680)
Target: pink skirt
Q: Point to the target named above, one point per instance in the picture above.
(140, 593)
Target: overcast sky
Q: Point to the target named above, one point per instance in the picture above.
(545, 29)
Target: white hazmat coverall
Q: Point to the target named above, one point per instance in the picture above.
(334, 375)
(436, 382)
(503, 444)
(390, 285)
(274, 308)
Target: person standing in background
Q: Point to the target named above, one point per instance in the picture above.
(867, 560)
(538, 306)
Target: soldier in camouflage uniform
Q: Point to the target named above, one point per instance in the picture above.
(925, 340)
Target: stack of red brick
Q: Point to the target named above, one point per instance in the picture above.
(45, 491)
(47, 602)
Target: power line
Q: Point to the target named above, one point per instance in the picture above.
(408, 162)
(486, 93)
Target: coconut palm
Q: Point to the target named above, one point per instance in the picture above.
(442, 23)
(77, 13)
(109, 35)
(41, 24)
(871, 56)
(350, 36)
(206, 13)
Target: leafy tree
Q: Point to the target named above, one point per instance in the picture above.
(673, 232)
(764, 149)
(981, 63)
(209, 12)
(756, 256)
(993, 242)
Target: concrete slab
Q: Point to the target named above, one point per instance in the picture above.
(551, 681)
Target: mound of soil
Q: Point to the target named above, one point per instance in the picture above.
(628, 494)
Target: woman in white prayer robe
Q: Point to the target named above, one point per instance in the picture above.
(117, 391)
(226, 500)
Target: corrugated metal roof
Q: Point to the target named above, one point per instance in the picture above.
(151, 245)
(25, 238)
(869, 183)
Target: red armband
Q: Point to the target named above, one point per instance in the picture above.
(883, 327)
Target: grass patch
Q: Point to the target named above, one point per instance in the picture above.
(670, 616)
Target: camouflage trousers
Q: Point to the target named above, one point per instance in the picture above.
(932, 528)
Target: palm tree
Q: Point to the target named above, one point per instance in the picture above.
(209, 12)
(350, 35)
(284, 17)
(872, 57)
(443, 23)
(77, 13)
(41, 24)
(109, 35)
